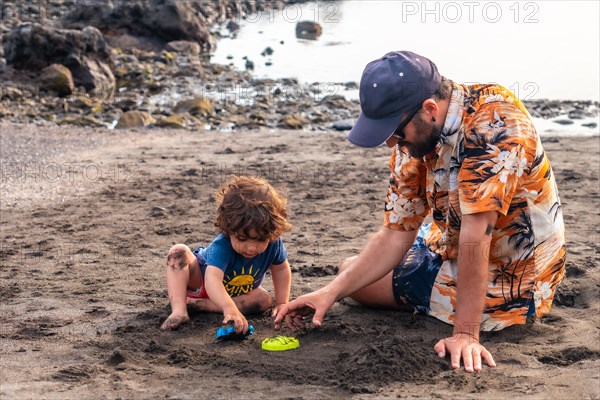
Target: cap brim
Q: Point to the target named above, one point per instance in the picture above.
(368, 132)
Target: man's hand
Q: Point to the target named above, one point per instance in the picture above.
(318, 302)
(465, 346)
(471, 285)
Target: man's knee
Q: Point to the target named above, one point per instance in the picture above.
(178, 256)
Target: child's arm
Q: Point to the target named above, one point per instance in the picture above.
(213, 282)
(282, 282)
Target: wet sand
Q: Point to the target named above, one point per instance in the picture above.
(87, 217)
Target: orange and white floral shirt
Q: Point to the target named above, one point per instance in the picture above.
(490, 158)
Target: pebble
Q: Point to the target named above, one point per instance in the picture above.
(343, 125)
(563, 122)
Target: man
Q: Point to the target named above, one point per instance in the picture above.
(471, 157)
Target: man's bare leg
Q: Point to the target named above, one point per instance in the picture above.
(378, 294)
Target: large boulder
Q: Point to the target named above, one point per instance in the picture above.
(95, 76)
(293, 121)
(58, 79)
(165, 20)
(35, 46)
(85, 53)
(153, 23)
(184, 46)
(196, 106)
(344, 124)
(135, 119)
(308, 30)
(172, 121)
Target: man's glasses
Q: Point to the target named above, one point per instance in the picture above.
(399, 132)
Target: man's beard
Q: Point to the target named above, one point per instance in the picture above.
(420, 150)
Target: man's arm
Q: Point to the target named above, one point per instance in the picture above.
(473, 260)
(472, 277)
(383, 253)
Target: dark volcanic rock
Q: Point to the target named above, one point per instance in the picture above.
(85, 53)
(577, 114)
(233, 26)
(543, 108)
(564, 121)
(308, 30)
(267, 52)
(166, 20)
(183, 46)
(343, 125)
(35, 46)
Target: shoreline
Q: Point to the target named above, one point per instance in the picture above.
(130, 78)
(249, 104)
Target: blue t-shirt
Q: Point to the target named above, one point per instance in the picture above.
(242, 275)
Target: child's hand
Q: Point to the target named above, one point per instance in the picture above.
(275, 310)
(239, 321)
(174, 321)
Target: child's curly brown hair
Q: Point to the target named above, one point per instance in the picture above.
(249, 203)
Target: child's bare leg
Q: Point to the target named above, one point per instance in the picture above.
(255, 302)
(204, 305)
(182, 267)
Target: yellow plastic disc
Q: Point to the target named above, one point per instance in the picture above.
(279, 343)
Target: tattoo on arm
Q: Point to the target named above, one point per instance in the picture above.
(489, 229)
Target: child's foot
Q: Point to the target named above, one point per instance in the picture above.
(174, 321)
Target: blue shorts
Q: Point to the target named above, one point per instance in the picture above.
(413, 278)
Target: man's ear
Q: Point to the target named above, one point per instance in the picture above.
(431, 107)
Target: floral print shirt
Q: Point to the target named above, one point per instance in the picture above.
(490, 158)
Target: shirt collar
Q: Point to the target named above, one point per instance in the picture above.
(451, 130)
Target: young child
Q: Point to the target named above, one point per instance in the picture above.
(227, 275)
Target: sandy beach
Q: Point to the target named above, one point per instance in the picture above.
(87, 216)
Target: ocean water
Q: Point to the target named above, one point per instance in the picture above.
(538, 49)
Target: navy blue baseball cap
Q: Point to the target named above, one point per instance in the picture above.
(390, 87)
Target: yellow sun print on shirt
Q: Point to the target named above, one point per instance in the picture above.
(240, 284)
